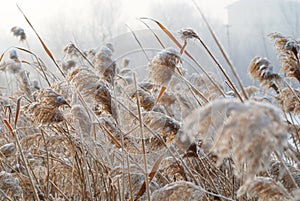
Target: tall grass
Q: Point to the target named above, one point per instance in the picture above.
(95, 131)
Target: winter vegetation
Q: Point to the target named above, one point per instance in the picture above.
(94, 126)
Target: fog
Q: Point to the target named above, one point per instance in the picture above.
(91, 23)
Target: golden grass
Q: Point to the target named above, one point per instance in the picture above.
(95, 133)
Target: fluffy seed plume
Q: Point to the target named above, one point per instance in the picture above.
(104, 64)
(163, 65)
(8, 149)
(82, 118)
(71, 50)
(19, 32)
(14, 65)
(261, 69)
(13, 54)
(45, 109)
(289, 101)
(265, 189)
(10, 184)
(91, 87)
(181, 190)
(66, 66)
(125, 62)
(161, 124)
(288, 54)
(249, 132)
(186, 34)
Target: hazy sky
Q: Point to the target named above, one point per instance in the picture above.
(42, 12)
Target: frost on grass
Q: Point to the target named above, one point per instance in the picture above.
(162, 66)
(262, 70)
(81, 135)
(249, 132)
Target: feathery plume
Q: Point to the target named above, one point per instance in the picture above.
(288, 54)
(265, 189)
(45, 108)
(90, 86)
(104, 64)
(177, 191)
(163, 65)
(8, 149)
(288, 101)
(10, 184)
(262, 70)
(249, 132)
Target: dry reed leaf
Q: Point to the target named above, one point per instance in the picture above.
(135, 181)
(265, 189)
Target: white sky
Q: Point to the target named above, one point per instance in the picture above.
(40, 11)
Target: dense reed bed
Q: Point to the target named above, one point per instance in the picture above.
(93, 130)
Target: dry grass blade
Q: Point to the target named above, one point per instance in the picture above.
(42, 42)
(139, 43)
(143, 139)
(4, 194)
(115, 140)
(37, 59)
(154, 170)
(23, 158)
(157, 38)
(169, 34)
(222, 51)
(82, 54)
(161, 93)
(17, 111)
(1, 57)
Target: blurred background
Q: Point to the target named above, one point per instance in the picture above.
(242, 26)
